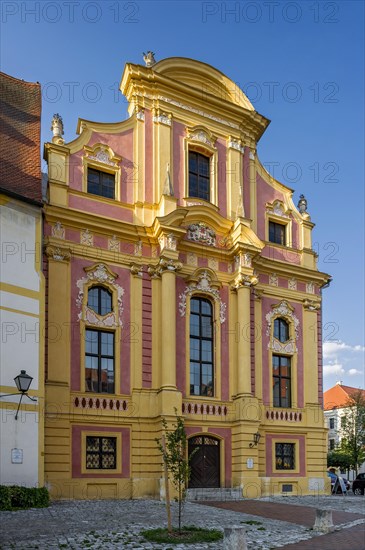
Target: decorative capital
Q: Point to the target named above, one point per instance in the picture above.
(58, 253)
(235, 144)
(162, 118)
(137, 270)
(311, 305)
(169, 265)
(245, 281)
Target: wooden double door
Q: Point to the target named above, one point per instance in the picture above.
(205, 462)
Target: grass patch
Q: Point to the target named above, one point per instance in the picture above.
(188, 535)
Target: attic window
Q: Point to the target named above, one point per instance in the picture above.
(199, 176)
(100, 183)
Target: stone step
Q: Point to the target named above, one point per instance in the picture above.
(216, 494)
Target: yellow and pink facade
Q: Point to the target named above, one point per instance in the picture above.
(180, 276)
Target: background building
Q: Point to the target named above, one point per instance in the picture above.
(21, 281)
(336, 402)
(180, 276)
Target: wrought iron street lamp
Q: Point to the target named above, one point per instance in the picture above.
(256, 439)
(22, 382)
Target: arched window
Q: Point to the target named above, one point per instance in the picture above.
(281, 330)
(99, 299)
(201, 347)
(199, 176)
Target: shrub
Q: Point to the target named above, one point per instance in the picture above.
(18, 497)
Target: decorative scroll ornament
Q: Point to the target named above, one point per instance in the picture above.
(282, 310)
(155, 271)
(283, 347)
(137, 270)
(245, 280)
(99, 274)
(201, 136)
(310, 288)
(113, 244)
(102, 156)
(168, 242)
(58, 231)
(278, 209)
(292, 284)
(201, 233)
(162, 118)
(203, 285)
(87, 238)
(273, 279)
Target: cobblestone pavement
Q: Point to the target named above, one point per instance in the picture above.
(110, 524)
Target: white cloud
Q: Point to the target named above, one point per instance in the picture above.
(332, 349)
(353, 372)
(335, 368)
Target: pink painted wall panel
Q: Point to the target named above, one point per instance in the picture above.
(87, 204)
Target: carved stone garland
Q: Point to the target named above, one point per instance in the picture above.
(204, 286)
(100, 275)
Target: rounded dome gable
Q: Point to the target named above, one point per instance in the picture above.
(204, 78)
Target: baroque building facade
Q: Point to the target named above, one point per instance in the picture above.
(180, 279)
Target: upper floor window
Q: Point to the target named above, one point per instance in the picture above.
(100, 183)
(199, 176)
(281, 381)
(201, 347)
(99, 361)
(277, 233)
(331, 444)
(99, 299)
(281, 330)
(332, 423)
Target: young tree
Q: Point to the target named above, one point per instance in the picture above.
(339, 459)
(353, 429)
(173, 448)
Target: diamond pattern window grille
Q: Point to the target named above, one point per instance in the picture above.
(101, 453)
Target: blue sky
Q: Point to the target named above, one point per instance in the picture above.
(300, 63)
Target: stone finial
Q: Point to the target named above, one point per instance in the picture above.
(302, 204)
(57, 129)
(149, 58)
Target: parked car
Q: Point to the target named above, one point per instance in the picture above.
(358, 485)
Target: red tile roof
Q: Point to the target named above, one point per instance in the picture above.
(338, 396)
(20, 137)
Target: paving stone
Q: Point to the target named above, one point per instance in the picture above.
(104, 524)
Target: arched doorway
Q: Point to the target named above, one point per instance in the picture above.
(205, 463)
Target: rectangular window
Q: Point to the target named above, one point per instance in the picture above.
(285, 456)
(100, 183)
(199, 176)
(332, 444)
(101, 453)
(99, 361)
(332, 423)
(281, 381)
(343, 421)
(201, 347)
(277, 233)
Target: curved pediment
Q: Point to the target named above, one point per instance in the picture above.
(204, 78)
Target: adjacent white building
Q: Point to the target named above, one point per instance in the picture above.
(21, 283)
